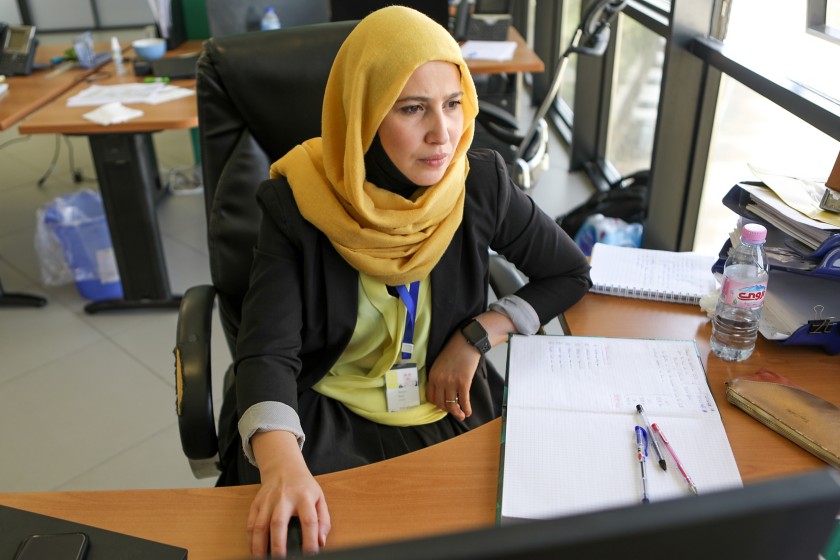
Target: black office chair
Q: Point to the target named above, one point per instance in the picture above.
(259, 95)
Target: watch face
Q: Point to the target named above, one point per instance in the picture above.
(476, 335)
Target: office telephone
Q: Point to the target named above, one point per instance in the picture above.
(17, 49)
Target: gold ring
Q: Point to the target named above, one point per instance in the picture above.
(453, 401)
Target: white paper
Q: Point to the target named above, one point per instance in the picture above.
(801, 194)
(151, 93)
(488, 50)
(767, 205)
(569, 426)
(112, 113)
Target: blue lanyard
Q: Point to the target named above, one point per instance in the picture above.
(409, 298)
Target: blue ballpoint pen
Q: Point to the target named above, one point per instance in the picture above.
(641, 453)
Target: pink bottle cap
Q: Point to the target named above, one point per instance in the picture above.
(754, 233)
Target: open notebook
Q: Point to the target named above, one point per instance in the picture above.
(569, 420)
(680, 277)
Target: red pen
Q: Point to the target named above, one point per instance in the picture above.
(670, 449)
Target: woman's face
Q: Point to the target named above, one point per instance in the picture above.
(423, 128)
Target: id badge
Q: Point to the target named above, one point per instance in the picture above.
(402, 387)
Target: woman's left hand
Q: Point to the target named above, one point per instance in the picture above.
(451, 376)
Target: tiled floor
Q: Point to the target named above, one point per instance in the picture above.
(87, 401)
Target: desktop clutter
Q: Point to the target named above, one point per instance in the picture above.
(802, 248)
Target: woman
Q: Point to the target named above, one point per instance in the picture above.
(365, 324)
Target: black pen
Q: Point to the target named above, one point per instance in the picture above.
(641, 412)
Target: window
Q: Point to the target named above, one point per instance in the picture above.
(570, 20)
(749, 129)
(773, 35)
(635, 96)
(824, 19)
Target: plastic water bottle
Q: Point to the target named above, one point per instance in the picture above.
(735, 324)
(269, 20)
(116, 56)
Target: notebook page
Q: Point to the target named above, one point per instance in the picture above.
(623, 270)
(569, 425)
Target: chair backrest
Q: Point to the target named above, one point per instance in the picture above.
(259, 95)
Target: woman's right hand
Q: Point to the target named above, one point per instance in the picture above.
(287, 489)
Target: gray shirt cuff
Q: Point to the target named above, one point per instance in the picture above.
(519, 311)
(268, 416)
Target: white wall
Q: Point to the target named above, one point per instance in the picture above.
(9, 12)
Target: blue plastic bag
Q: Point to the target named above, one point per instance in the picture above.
(612, 231)
(78, 221)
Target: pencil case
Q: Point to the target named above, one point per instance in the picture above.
(805, 419)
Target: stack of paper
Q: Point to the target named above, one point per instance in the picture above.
(152, 93)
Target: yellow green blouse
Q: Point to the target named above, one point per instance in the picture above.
(358, 378)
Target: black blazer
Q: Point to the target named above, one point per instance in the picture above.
(301, 307)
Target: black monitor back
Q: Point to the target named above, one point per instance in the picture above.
(783, 519)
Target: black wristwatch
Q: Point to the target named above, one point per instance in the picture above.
(476, 335)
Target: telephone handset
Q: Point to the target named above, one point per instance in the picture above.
(17, 49)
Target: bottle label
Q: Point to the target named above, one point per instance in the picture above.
(746, 295)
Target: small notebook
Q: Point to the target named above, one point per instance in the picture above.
(651, 274)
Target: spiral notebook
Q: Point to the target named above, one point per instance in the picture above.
(680, 277)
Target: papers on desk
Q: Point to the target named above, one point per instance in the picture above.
(112, 113)
(765, 204)
(4, 88)
(488, 50)
(801, 194)
(568, 443)
(152, 94)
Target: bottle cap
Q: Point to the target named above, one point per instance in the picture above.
(754, 233)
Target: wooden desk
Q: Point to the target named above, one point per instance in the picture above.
(129, 180)
(524, 59)
(450, 486)
(27, 94)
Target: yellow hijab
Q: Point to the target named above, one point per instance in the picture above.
(391, 238)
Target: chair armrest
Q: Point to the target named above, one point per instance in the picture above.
(504, 278)
(194, 397)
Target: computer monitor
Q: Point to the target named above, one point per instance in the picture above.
(782, 519)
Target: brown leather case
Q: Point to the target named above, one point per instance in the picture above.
(803, 418)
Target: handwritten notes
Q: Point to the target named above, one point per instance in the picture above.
(570, 416)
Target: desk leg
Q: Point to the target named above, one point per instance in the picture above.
(10, 299)
(130, 184)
